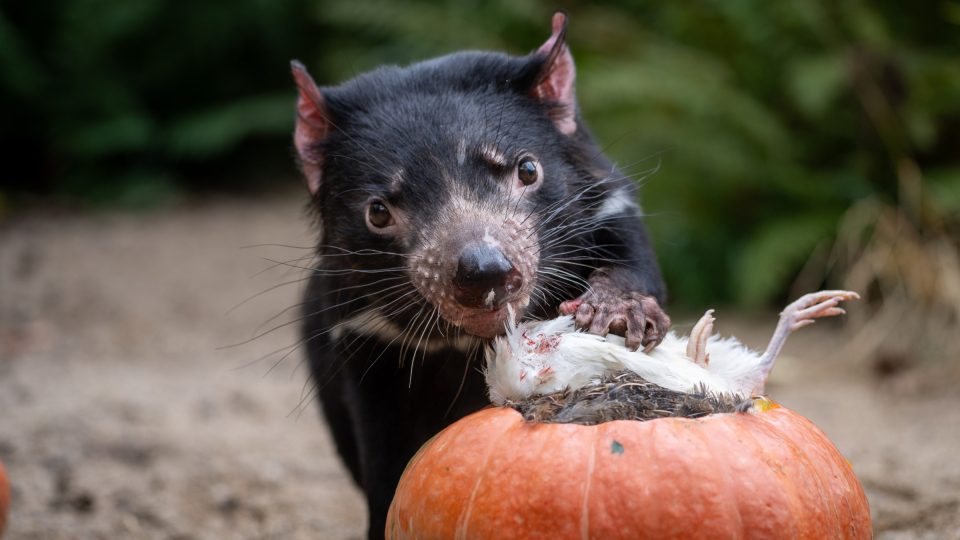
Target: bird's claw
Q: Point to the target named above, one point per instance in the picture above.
(697, 343)
(809, 307)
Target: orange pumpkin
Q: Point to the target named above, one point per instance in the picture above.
(4, 497)
(769, 473)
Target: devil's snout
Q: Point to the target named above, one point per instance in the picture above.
(474, 266)
(485, 277)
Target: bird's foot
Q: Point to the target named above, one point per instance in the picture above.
(809, 307)
(803, 312)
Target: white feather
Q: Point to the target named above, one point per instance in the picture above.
(536, 358)
(542, 357)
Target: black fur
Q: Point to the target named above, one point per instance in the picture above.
(383, 398)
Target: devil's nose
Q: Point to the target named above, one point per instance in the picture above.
(485, 277)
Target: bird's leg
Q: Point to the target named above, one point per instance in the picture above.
(697, 343)
(800, 313)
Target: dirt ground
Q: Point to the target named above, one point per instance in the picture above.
(122, 415)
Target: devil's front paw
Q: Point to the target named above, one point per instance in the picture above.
(636, 317)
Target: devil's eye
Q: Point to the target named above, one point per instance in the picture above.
(527, 171)
(378, 216)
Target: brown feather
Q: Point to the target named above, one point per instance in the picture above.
(625, 396)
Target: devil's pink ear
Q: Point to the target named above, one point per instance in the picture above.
(313, 125)
(555, 81)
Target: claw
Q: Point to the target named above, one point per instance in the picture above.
(601, 321)
(605, 308)
(814, 306)
(584, 315)
(697, 343)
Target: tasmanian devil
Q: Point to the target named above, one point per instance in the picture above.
(449, 194)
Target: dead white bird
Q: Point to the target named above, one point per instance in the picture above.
(542, 357)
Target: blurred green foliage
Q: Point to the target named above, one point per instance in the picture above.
(129, 101)
(753, 125)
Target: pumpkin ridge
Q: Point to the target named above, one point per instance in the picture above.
(712, 522)
(845, 469)
(729, 433)
(664, 435)
(803, 458)
(799, 439)
(765, 457)
(730, 486)
(585, 510)
(811, 431)
(461, 531)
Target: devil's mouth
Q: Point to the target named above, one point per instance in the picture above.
(483, 323)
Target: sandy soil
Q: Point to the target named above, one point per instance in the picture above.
(122, 415)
